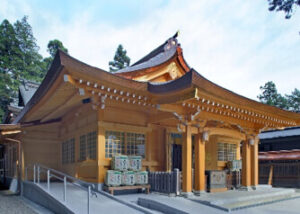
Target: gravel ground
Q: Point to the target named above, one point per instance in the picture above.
(13, 204)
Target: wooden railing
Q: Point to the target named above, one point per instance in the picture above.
(165, 182)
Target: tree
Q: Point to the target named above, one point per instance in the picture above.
(10, 64)
(287, 6)
(32, 68)
(294, 100)
(121, 60)
(271, 97)
(53, 46)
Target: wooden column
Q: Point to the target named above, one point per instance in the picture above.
(254, 163)
(199, 164)
(149, 144)
(100, 150)
(246, 164)
(187, 161)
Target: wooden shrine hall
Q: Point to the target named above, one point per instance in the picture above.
(159, 108)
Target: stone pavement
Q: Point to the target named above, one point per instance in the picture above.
(13, 204)
(190, 205)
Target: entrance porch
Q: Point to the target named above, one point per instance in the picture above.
(198, 153)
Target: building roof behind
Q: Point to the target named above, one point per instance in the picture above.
(288, 132)
(27, 90)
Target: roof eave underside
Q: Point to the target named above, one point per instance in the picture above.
(194, 79)
(189, 80)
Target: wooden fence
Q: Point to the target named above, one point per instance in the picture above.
(285, 173)
(165, 182)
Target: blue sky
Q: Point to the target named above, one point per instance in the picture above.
(237, 44)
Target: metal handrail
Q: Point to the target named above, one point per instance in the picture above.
(38, 168)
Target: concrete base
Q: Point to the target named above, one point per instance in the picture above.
(261, 187)
(200, 193)
(186, 194)
(246, 188)
(13, 187)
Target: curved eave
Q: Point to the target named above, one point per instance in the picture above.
(64, 63)
(193, 79)
(140, 69)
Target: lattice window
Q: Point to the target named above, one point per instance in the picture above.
(135, 144)
(82, 148)
(68, 151)
(91, 145)
(114, 143)
(64, 154)
(226, 152)
(71, 151)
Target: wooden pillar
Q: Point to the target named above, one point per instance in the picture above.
(100, 150)
(199, 164)
(187, 161)
(149, 145)
(246, 164)
(254, 163)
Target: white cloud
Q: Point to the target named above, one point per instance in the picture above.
(236, 44)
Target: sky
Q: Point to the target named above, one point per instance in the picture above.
(237, 44)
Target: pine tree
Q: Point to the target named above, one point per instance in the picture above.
(271, 97)
(32, 60)
(294, 100)
(10, 64)
(53, 46)
(121, 60)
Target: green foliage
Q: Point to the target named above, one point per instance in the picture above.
(294, 100)
(32, 68)
(287, 6)
(121, 60)
(54, 45)
(10, 64)
(271, 97)
(20, 59)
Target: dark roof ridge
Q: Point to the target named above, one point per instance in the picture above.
(157, 50)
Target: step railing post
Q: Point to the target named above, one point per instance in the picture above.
(65, 189)
(38, 174)
(48, 180)
(177, 181)
(88, 199)
(26, 174)
(34, 173)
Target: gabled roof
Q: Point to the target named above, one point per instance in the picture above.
(166, 52)
(189, 93)
(27, 89)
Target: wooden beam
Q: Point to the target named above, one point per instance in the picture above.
(10, 132)
(177, 97)
(59, 108)
(225, 132)
(124, 127)
(160, 116)
(171, 108)
(270, 180)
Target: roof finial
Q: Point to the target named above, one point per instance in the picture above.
(176, 34)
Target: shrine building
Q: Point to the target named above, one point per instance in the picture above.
(159, 108)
